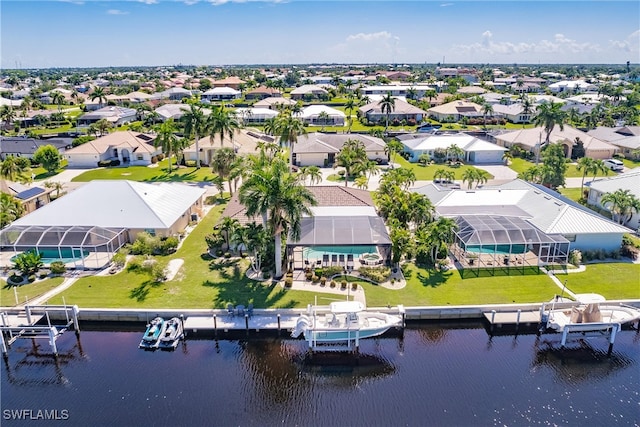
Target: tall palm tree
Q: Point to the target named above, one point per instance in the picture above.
(13, 170)
(549, 115)
(586, 165)
(103, 126)
(274, 193)
(288, 129)
(7, 115)
(222, 122)
(599, 167)
(387, 106)
(487, 110)
(167, 139)
(98, 93)
(622, 205)
(323, 118)
(58, 99)
(195, 123)
(351, 157)
(392, 148)
(441, 233)
(221, 162)
(349, 105)
(227, 227)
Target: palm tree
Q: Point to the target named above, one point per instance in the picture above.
(288, 128)
(487, 110)
(470, 176)
(349, 105)
(274, 193)
(10, 209)
(103, 126)
(312, 172)
(221, 162)
(257, 244)
(222, 122)
(622, 205)
(98, 93)
(57, 186)
(587, 166)
(599, 167)
(167, 139)
(323, 118)
(351, 157)
(240, 238)
(392, 148)
(507, 157)
(227, 227)
(387, 106)
(7, 115)
(362, 182)
(441, 233)
(455, 152)
(13, 170)
(57, 98)
(549, 115)
(195, 123)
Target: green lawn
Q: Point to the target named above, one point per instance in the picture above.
(598, 279)
(200, 283)
(571, 193)
(631, 164)
(426, 173)
(520, 165)
(425, 287)
(30, 290)
(144, 173)
(42, 174)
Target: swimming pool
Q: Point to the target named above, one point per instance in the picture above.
(497, 249)
(65, 255)
(316, 252)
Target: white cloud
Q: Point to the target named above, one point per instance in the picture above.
(560, 44)
(190, 2)
(630, 45)
(446, 4)
(381, 46)
(221, 2)
(381, 35)
(116, 12)
(77, 2)
(148, 1)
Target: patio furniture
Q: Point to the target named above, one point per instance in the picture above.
(250, 310)
(240, 310)
(230, 311)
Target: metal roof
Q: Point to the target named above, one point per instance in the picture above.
(342, 230)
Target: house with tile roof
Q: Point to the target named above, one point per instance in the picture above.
(127, 147)
(532, 139)
(262, 92)
(401, 111)
(626, 138)
(454, 111)
(231, 81)
(31, 197)
(321, 149)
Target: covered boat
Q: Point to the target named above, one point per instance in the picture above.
(341, 325)
(171, 334)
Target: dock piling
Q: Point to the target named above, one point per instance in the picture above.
(246, 322)
(74, 315)
(279, 323)
(215, 324)
(184, 332)
(27, 310)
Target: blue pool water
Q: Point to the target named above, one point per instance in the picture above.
(498, 250)
(65, 255)
(317, 251)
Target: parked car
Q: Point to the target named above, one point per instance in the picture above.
(614, 165)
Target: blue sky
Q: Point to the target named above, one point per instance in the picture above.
(91, 33)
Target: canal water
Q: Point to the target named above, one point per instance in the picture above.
(432, 375)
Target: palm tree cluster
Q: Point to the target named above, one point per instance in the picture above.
(273, 192)
(475, 176)
(414, 230)
(589, 166)
(551, 173)
(622, 205)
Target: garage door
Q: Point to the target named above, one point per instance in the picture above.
(486, 157)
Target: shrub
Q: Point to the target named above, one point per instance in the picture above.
(43, 275)
(375, 274)
(315, 279)
(120, 258)
(323, 280)
(630, 251)
(169, 245)
(104, 163)
(343, 284)
(32, 278)
(332, 284)
(308, 275)
(227, 255)
(154, 160)
(331, 270)
(57, 267)
(190, 163)
(15, 278)
(114, 162)
(135, 265)
(160, 157)
(354, 286)
(266, 275)
(575, 257)
(288, 282)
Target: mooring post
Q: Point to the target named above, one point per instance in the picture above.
(27, 310)
(278, 323)
(215, 324)
(612, 338)
(3, 344)
(5, 322)
(246, 322)
(493, 318)
(74, 314)
(52, 340)
(518, 318)
(184, 332)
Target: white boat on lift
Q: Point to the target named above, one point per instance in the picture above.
(591, 316)
(341, 325)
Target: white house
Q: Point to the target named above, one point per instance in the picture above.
(129, 148)
(115, 115)
(475, 150)
(221, 93)
(313, 116)
(255, 115)
(625, 181)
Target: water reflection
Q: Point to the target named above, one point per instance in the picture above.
(579, 363)
(342, 369)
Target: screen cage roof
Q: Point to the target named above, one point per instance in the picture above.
(54, 236)
(488, 230)
(341, 230)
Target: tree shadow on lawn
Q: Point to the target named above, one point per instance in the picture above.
(434, 278)
(141, 292)
(234, 287)
(176, 176)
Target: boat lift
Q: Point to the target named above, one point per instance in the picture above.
(13, 328)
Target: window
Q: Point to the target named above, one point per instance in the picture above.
(570, 237)
(139, 157)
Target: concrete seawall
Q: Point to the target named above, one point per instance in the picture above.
(411, 313)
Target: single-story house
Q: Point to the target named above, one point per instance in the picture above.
(513, 113)
(312, 116)
(524, 219)
(275, 103)
(220, 94)
(572, 85)
(115, 115)
(32, 197)
(130, 148)
(244, 141)
(262, 92)
(626, 138)
(454, 111)
(231, 81)
(532, 139)
(309, 92)
(92, 222)
(475, 150)
(625, 181)
(138, 97)
(255, 115)
(171, 111)
(401, 111)
(395, 90)
(320, 149)
(20, 146)
(173, 94)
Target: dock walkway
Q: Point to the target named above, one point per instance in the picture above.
(225, 323)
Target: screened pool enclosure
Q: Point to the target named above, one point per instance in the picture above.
(492, 242)
(76, 246)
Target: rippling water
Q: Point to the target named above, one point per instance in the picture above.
(436, 375)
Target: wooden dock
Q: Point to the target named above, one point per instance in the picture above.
(226, 323)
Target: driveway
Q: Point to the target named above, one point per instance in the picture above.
(67, 175)
(501, 173)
